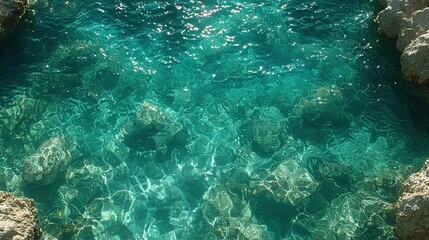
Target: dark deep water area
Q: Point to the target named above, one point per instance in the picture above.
(207, 119)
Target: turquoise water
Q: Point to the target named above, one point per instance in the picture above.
(207, 119)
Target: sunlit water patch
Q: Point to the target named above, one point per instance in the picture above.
(207, 120)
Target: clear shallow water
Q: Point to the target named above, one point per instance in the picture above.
(208, 120)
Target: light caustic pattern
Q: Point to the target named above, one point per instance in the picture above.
(206, 120)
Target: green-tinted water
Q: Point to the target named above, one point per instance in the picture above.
(207, 120)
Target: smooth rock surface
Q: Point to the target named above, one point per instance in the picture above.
(18, 218)
(412, 218)
(10, 13)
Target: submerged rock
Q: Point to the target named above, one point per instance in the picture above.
(227, 216)
(47, 164)
(412, 217)
(264, 129)
(350, 216)
(20, 116)
(267, 136)
(18, 218)
(152, 128)
(288, 183)
(10, 13)
(324, 108)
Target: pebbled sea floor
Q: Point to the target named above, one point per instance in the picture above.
(207, 119)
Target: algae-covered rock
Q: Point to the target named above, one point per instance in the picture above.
(18, 218)
(10, 13)
(151, 128)
(412, 217)
(46, 165)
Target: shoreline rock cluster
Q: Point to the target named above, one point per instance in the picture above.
(18, 218)
(10, 13)
(407, 21)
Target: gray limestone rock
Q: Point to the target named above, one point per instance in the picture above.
(412, 28)
(18, 218)
(398, 11)
(414, 61)
(412, 217)
(390, 21)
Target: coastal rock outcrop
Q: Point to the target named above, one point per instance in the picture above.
(414, 60)
(18, 218)
(408, 22)
(412, 218)
(46, 165)
(10, 13)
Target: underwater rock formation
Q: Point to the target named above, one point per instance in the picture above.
(323, 108)
(408, 22)
(46, 165)
(288, 183)
(10, 13)
(264, 129)
(152, 128)
(350, 210)
(412, 218)
(267, 136)
(227, 216)
(18, 218)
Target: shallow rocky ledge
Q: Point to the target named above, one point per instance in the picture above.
(412, 217)
(10, 13)
(408, 22)
(18, 218)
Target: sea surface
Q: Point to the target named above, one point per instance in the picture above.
(235, 119)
